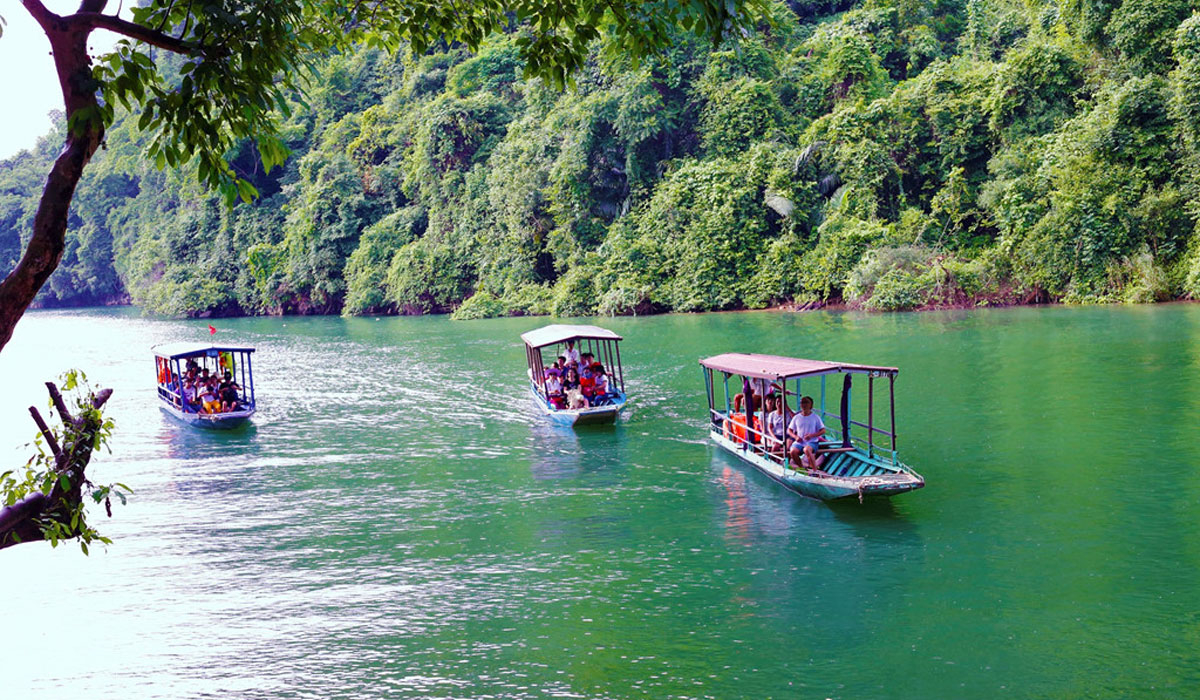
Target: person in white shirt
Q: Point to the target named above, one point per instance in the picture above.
(189, 395)
(601, 379)
(554, 388)
(807, 430)
(572, 354)
(776, 422)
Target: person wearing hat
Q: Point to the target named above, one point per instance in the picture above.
(554, 388)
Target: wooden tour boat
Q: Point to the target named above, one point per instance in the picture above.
(602, 344)
(170, 364)
(849, 466)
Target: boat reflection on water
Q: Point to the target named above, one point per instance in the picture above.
(179, 442)
(831, 572)
(564, 452)
(755, 511)
(555, 451)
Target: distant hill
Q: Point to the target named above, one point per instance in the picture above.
(888, 153)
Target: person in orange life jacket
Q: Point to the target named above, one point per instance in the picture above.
(587, 382)
(736, 423)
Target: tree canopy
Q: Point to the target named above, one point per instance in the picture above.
(205, 84)
(236, 59)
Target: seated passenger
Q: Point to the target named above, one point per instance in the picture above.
(229, 393)
(571, 387)
(554, 390)
(776, 422)
(189, 396)
(735, 424)
(807, 429)
(209, 399)
(587, 383)
(571, 354)
(600, 381)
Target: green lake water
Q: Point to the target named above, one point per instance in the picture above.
(400, 523)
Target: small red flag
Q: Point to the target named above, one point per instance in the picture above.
(211, 330)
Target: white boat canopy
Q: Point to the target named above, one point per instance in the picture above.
(181, 350)
(777, 367)
(561, 333)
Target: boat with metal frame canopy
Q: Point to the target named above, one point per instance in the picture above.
(216, 358)
(603, 344)
(848, 466)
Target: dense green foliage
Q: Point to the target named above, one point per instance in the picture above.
(890, 152)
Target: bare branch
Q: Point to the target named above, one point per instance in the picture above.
(46, 432)
(57, 398)
(101, 398)
(166, 16)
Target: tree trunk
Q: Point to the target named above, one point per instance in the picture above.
(85, 131)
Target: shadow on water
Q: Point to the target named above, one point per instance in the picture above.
(874, 516)
(752, 495)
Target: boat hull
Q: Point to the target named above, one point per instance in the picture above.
(596, 415)
(840, 481)
(216, 421)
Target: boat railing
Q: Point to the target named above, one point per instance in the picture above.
(756, 440)
(869, 446)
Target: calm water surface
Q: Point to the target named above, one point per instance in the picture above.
(399, 523)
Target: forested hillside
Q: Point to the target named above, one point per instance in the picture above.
(891, 153)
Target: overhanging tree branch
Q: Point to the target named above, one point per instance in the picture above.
(28, 519)
(146, 35)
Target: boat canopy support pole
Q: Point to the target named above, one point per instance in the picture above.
(179, 386)
(540, 360)
(708, 390)
(762, 410)
(822, 394)
(727, 409)
(846, 383)
(892, 397)
(250, 373)
(871, 416)
(787, 439)
(620, 369)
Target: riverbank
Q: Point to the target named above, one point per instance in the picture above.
(993, 301)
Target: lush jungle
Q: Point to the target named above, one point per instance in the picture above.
(895, 154)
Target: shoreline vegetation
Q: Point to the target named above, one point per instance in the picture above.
(875, 154)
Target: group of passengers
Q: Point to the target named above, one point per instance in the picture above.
(205, 392)
(576, 380)
(803, 430)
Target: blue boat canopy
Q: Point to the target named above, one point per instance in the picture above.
(179, 351)
(561, 333)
